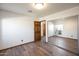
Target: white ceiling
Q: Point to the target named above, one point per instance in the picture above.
(23, 8)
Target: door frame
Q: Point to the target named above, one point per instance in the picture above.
(43, 31)
(78, 33)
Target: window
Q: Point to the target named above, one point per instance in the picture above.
(59, 27)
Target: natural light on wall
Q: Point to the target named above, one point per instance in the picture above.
(59, 27)
(38, 5)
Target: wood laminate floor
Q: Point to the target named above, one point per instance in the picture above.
(36, 49)
(64, 43)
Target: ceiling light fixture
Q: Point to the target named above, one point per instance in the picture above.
(39, 5)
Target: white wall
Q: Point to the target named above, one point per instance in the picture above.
(42, 29)
(14, 29)
(50, 29)
(69, 27)
(0, 28)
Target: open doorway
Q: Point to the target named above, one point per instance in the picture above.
(63, 33)
(43, 30)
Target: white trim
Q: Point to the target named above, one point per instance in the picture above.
(46, 31)
(78, 34)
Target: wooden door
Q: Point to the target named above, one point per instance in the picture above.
(37, 30)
